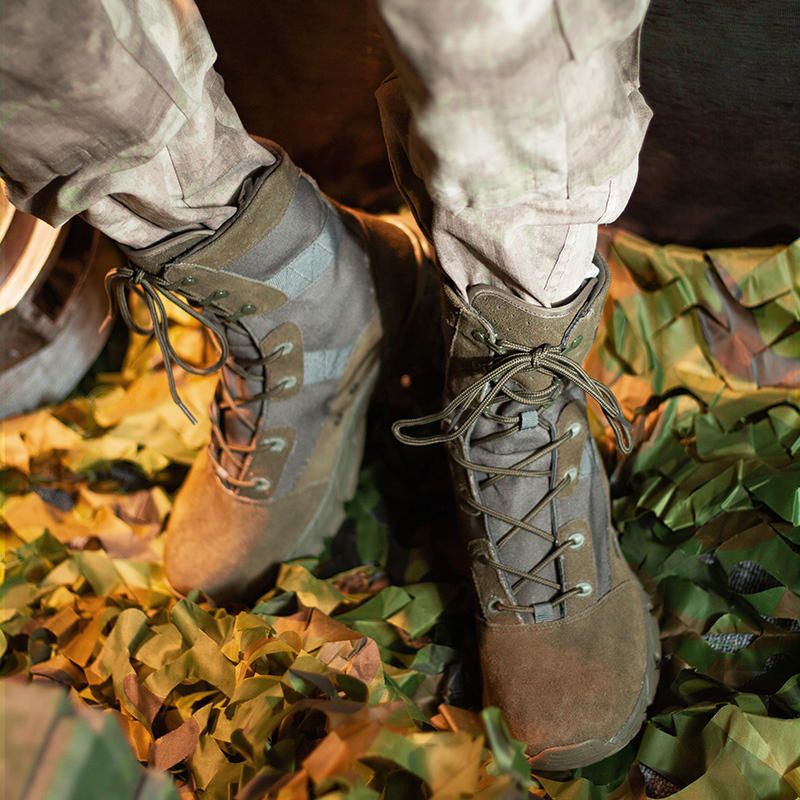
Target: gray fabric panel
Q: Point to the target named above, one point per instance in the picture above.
(301, 224)
(331, 315)
(333, 310)
(516, 496)
(528, 419)
(324, 365)
(306, 267)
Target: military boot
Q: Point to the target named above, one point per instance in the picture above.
(568, 648)
(298, 293)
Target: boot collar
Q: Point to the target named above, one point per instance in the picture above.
(493, 315)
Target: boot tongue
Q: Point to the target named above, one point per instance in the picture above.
(571, 325)
(517, 496)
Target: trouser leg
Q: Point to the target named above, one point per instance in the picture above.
(113, 110)
(523, 135)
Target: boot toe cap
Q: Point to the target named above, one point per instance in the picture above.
(228, 545)
(212, 537)
(575, 690)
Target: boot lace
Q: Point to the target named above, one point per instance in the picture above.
(479, 399)
(151, 289)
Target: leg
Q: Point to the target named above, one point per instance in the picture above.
(113, 110)
(522, 135)
(527, 124)
(125, 121)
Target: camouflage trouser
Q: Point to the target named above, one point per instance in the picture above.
(525, 125)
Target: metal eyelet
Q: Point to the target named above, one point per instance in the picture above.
(575, 429)
(576, 342)
(584, 589)
(493, 606)
(262, 484)
(188, 280)
(478, 335)
(289, 382)
(247, 308)
(576, 540)
(276, 444)
(283, 349)
(571, 474)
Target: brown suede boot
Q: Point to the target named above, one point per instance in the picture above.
(568, 648)
(298, 293)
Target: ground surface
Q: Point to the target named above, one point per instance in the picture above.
(354, 676)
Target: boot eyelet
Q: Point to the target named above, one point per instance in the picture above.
(479, 336)
(576, 342)
(283, 349)
(576, 540)
(262, 484)
(571, 474)
(219, 294)
(189, 280)
(247, 308)
(493, 606)
(584, 589)
(289, 382)
(277, 445)
(575, 429)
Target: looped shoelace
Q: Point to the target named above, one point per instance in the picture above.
(477, 400)
(149, 287)
(240, 455)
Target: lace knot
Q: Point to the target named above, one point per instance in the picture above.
(539, 355)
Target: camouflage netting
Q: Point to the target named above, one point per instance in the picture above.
(348, 677)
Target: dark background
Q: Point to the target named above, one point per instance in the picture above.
(720, 165)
